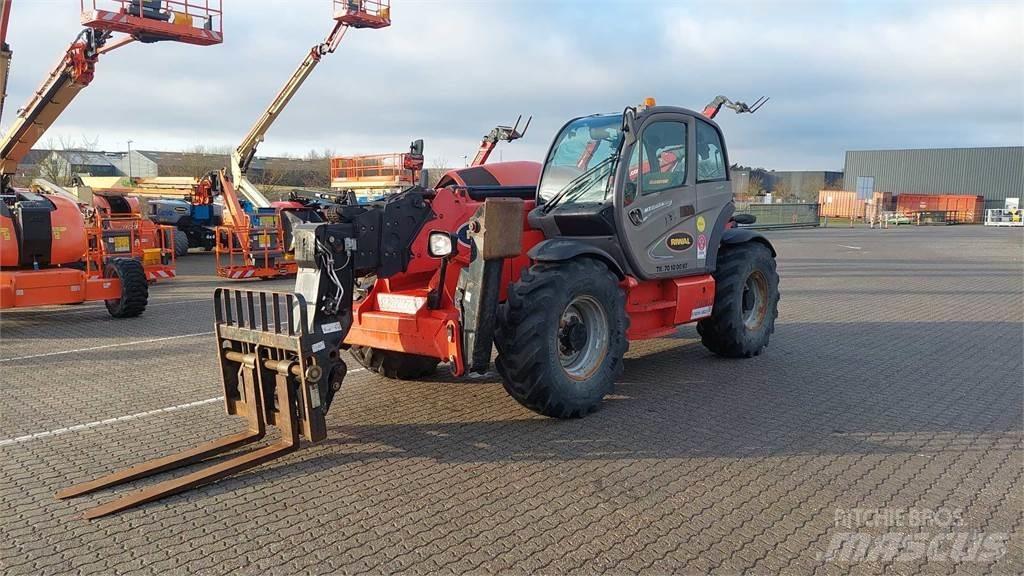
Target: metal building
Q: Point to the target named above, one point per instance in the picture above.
(996, 173)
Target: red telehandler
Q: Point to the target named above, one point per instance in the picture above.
(559, 275)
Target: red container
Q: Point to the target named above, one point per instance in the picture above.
(961, 209)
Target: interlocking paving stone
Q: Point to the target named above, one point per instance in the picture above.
(894, 381)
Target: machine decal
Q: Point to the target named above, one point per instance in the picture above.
(318, 346)
(680, 242)
(463, 234)
(57, 231)
(702, 247)
(653, 207)
(331, 327)
(700, 224)
(701, 312)
(5, 233)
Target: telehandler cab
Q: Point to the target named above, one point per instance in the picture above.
(629, 233)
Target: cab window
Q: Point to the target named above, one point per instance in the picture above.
(663, 163)
(710, 158)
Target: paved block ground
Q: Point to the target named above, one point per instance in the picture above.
(880, 432)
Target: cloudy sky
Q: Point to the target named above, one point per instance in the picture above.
(841, 75)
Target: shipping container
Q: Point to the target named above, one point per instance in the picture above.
(961, 209)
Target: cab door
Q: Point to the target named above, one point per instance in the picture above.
(657, 200)
(714, 192)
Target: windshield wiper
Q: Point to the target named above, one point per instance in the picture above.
(578, 183)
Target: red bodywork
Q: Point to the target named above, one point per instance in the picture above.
(394, 315)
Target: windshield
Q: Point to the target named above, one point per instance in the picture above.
(584, 145)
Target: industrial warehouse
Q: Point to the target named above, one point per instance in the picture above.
(298, 317)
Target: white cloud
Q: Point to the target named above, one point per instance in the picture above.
(841, 76)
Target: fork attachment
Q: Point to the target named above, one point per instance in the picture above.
(275, 371)
(280, 352)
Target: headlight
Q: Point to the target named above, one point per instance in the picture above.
(439, 244)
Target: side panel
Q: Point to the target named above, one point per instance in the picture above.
(657, 307)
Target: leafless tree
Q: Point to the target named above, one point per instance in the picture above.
(57, 167)
(197, 161)
(755, 185)
(438, 167)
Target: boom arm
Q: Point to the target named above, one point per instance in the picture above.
(246, 151)
(74, 72)
(5, 51)
(498, 134)
(713, 107)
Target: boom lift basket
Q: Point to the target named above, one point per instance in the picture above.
(363, 13)
(197, 22)
(252, 251)
(371, 172)
(131, 236)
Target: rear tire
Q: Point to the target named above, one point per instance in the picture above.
(134, 288)
(180, 243)
(561, 337)
(746, 302)
(396, 365)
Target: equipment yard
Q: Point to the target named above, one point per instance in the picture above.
(887, 403)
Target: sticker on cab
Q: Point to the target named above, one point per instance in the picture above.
(702, 247)
(680, 242)
(701, 224)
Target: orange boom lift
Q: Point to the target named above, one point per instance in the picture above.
(257, 243)
(49, 253)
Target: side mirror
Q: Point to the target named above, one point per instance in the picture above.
(416, 147)
(629, 125)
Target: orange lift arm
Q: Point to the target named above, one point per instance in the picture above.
(499, 134)
(5, 51)
(74, 72)
(364, 14)
(77, 66)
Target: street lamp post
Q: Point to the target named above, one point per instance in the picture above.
(130, 160)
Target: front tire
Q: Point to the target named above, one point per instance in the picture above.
(561, 337)
(180, 243)
(134, 288)
(746, 302)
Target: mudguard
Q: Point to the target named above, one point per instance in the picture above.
(561, 249)
(732, 236)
